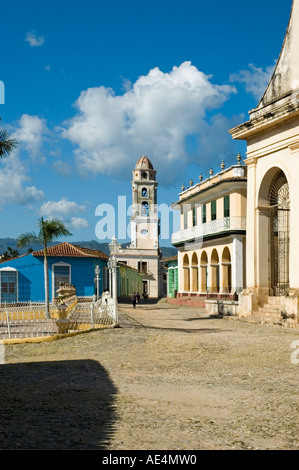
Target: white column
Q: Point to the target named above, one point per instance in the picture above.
(237, 264)
(251, 248)
(179, 272)
(114, 274)
(133, 233)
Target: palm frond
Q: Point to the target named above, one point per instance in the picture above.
(51, 229)
(7, 143)
(28, 238)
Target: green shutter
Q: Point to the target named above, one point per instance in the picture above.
(226, 206)
(213, 210)
(194, 217)
(185, 220)
(176, 279)
(204, 214)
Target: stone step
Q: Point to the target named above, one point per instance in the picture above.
(256, 318)
(273, 300)
(269, 316)
(268, 310)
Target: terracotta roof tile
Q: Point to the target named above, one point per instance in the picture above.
(72, 251)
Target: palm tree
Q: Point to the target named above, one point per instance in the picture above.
(49, 230)
(7, 143)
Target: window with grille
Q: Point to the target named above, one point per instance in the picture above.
(62, 274)
(8, 285)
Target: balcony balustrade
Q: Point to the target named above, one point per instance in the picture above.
(227, 224)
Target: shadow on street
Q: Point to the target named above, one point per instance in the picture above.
(63, 405)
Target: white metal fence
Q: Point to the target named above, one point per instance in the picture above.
(29, 320)
(25, 321)
(90, 315)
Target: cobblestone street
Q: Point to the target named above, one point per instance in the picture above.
(168, 379)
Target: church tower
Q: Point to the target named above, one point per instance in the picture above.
(144, 253)
(144, 221)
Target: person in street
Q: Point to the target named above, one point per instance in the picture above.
(134, 298)
(138, 297)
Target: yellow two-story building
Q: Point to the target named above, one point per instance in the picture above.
(211, 242)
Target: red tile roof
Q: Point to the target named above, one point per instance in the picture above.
(72, 251)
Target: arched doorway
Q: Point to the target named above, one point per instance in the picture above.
(273, 233)
(203, 272)
(279, 203)
(186, 273)
(226, 271)
(214, 287)
(194, 271)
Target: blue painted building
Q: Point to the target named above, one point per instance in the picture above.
(22, 278)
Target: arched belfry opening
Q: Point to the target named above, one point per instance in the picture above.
(279, 204)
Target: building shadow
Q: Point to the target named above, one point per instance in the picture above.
(149, 301)
(65, 405)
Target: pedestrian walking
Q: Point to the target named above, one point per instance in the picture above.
(138, 298)
(134, 298)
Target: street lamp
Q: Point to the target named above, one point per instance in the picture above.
(97, 272)
(112, 266)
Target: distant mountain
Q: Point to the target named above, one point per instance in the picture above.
(167, 251)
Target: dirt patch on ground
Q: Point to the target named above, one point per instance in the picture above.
(169, 379)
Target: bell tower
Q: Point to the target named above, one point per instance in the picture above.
(144, 253)
(144, 220)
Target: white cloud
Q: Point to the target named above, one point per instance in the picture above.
(255, 79)
(34, 40)
(13, 189)
(31, 133)
(155, 116)
(60, 209)
(78, 223)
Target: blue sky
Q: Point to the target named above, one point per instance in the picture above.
(91, 86)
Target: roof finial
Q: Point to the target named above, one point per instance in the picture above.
(222, 165)
(211, 171)
(239, 158)
(200, 177)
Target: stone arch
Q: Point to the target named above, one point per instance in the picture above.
(204, 272)
(194, 272)
(145, 209)
(273, 232)
(226, 273)
(214, 270)
(186, 273)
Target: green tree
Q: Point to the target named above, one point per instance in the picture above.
(49, 230)
(7, 143)
(9, 254)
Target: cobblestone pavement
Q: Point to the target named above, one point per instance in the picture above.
(170, 378)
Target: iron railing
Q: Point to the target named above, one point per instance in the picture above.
(213, 227)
